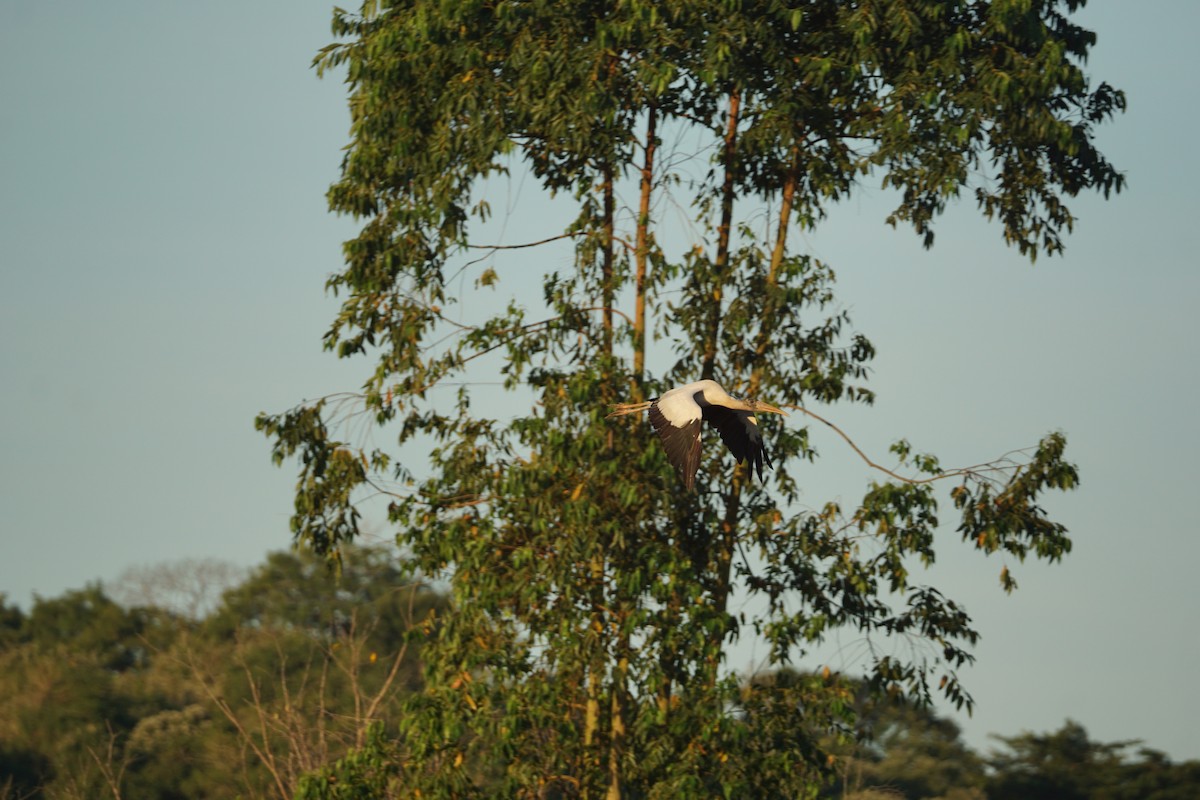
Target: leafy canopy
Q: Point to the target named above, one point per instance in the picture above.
(583, 652)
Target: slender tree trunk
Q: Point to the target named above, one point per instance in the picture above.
(597, 667)
(777, 253)
(607, 289)
(665, 664)
(711, 330)
(721, 263)
(617, 735)
(591, 756)
(727, 540)
(595, 680)
(619, 707)
(592, 721)
(728, 537)
(642, 252)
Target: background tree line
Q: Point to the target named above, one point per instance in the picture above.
(203, 682)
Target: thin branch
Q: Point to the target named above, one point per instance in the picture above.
(264, 755)
(989, 466)
(380, 695)
(616, 311)
(567, 235)
(113, 779)
(524, 330)
(456, 502)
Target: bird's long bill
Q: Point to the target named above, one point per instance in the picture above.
(761, 406)
(621, 409)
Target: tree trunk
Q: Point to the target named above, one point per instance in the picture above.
(641, 252)
(606, 267)
(721, 264)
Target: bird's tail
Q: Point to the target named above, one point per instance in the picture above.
(621, 409)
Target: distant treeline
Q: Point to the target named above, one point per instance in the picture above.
(196, 680)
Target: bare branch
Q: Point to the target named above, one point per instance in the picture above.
(568, 235)
(973, 471)
(263, 754)
(111, 777)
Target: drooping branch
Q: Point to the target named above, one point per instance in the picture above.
(975, 470)
(570, 234)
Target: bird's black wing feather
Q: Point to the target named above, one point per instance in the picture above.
(732, 430)
(682, 445)
(740, 434)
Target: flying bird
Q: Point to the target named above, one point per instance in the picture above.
(677, 416)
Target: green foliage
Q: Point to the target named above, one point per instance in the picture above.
(72, 727)
(365, 773)
(289, 672)
(583, 652)
(905, 750)
(92, 623)
(1068, 765)
(12, 623)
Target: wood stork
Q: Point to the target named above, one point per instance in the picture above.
(677, 416)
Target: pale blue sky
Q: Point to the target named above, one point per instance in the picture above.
(164, 241)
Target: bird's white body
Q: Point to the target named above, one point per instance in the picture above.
(681, 406)
(677, 416)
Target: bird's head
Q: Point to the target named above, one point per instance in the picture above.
(758, 406)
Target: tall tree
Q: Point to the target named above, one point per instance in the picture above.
(591, 610)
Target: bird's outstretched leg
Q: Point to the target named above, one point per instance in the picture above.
(621, 409)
